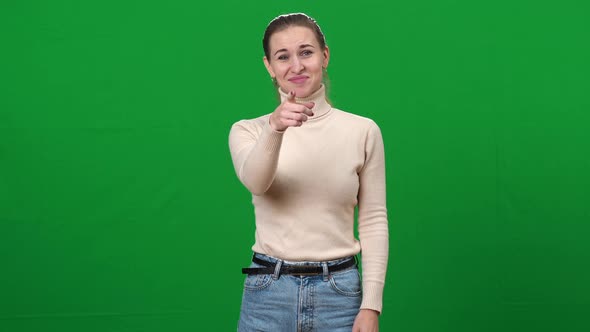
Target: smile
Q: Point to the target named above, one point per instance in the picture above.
(298, 79)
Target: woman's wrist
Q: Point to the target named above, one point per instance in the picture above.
(371, 312)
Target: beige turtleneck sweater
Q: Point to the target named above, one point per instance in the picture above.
(305, 184)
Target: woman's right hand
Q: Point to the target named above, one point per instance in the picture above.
(290, 113)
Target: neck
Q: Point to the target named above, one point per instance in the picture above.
(321, 106)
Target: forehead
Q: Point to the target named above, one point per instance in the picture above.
(292, 37)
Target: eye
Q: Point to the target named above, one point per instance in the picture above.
(283, 57)
(306, 53)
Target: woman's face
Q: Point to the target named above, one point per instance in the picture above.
(296, 60)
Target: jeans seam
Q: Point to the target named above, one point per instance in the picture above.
(300, 306)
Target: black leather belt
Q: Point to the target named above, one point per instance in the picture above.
(269, 268)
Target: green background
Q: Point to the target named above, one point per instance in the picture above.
(120, 209)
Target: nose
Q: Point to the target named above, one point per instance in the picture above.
(296, 65)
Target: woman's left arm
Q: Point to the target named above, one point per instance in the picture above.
(372, 221)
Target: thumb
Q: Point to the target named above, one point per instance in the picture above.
(291, 97)
(309, 104)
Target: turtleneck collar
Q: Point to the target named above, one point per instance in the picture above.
(321, 107)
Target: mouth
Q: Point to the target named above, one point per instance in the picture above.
(298, 79)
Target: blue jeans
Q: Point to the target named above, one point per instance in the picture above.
(289, 303)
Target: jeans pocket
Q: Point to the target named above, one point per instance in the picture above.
(347, 282)
(257, 281)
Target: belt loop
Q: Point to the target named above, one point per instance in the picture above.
(326, 272)
(277, 273)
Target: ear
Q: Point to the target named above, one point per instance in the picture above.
(268, 67)
(326, 57)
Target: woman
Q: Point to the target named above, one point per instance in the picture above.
(308, 166)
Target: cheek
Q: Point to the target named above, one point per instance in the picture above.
(317, 69)
(318, 65)
(279, 70)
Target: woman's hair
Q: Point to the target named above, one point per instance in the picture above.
(283, 22)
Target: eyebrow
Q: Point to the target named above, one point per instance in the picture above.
(302, 46)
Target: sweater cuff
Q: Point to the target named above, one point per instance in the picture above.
(372, 296)
(272, 139)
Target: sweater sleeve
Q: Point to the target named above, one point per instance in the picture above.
(254, 148)
(372, 221)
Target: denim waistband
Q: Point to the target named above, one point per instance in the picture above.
(302, 263)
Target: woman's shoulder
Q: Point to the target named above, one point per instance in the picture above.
(254, 124)
(355, 120)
